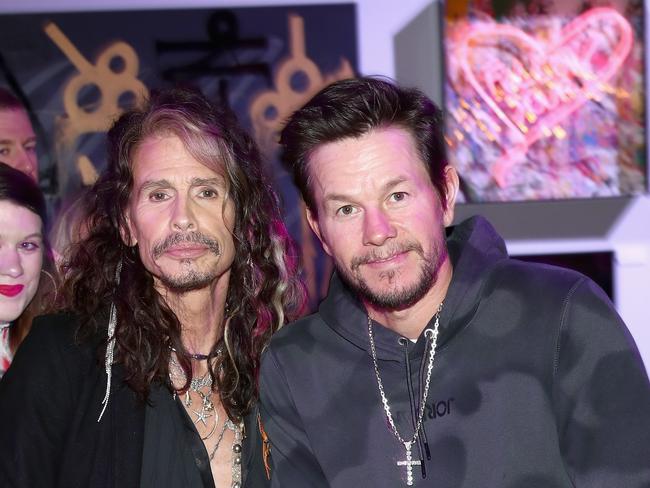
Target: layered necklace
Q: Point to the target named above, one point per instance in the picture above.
(207, 417)
(432, 335)
(205, 413)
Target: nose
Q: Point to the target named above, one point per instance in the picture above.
(10, 264)
(377, 227)
(27, 162)
(183, 219)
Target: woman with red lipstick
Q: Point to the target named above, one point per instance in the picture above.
(24, 257)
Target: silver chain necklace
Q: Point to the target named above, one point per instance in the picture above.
(236, 459)
(207, 409)
(433, 336)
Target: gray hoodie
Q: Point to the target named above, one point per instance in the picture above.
(536, 383)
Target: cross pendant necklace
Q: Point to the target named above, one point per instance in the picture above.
(432, 336)
(409, 463)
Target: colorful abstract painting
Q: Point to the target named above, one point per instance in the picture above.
(545, 98)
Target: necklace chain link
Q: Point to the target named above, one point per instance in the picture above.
(432, 335)
(207, 410)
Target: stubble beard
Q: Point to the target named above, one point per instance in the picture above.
(188, 280)
(397, 298)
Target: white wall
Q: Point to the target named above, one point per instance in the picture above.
(379, 21)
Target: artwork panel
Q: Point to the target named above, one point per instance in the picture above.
(545, 99)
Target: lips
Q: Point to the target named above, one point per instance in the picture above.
(394, 255)
(186, 252)
(388, 260)
(11, 290)
(184, 246)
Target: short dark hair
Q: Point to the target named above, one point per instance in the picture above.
(353, 107)
(8, 101)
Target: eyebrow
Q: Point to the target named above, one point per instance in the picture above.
(340, 197)
(206, 181)
(13, 141)
(38, 235)
(165, 183)
(154, 184)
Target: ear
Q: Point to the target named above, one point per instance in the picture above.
(451, 187)
(313, 223)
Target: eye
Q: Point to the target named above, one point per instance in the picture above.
(29, 246)
(398, 196)
(158, 196)
(346, 210)
(4, 151)
(31, 147)
(208, 193)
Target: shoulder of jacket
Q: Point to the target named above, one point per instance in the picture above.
(299, 329)
(61, 329)
(538, 273)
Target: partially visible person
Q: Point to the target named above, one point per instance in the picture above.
(70, 226)
(149, 377)
(17, 137)
(25, 258)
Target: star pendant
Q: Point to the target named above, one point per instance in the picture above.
(202, 416)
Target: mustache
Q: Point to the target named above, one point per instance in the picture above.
(378, 255)
(178, 237)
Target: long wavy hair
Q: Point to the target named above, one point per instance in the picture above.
(264, 288)
(20, 189)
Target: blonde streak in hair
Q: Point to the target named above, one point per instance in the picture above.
(277, 251)
(292, 293)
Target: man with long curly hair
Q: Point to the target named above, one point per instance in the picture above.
(149, 377)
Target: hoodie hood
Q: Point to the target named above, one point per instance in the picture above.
(474, 247)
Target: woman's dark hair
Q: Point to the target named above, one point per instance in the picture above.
(264, 290)
(20, 189)
(353, 107)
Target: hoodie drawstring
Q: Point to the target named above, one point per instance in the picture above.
(423, 433)
(409, 384)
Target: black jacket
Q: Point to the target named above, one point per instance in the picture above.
(536, 383)
(50, 399)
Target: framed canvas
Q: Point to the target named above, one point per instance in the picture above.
(545, 98)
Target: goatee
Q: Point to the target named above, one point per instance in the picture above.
(397, 298)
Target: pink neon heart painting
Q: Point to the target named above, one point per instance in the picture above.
(530, 85)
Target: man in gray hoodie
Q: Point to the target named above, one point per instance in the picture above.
(436, 360)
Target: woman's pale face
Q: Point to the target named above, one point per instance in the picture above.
(21, 258)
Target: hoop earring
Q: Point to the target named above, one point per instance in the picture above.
(56, 290)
